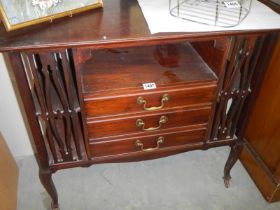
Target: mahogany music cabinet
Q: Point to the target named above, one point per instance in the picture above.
(100, 88)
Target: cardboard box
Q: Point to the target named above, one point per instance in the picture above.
(8, 178)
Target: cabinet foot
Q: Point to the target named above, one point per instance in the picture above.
(46, 180)
(55, 206)
(227, 181)
(234, 154)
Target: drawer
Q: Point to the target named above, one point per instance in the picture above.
(148, 143)
(147, 101)
(146, 123)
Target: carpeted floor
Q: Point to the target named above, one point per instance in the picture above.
(189, 181)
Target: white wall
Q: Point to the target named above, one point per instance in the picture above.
(11, 121)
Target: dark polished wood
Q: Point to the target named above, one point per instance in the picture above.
(46, 180)
(261, 156)
(42, 155)
(273, 5)
(125, 102)
(118, 23)
(109, 91)
(131, 67)
(125, 145)
(128, 124)
(80, 80)
(234, 154)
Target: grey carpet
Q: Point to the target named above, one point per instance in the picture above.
(189, 181)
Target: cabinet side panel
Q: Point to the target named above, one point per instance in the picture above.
(236, 86)
(52, 87)
(29, 107)
(215, 54)
(260, 174)
(264, 177)
(263, 133)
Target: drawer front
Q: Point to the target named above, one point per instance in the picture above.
(147, 144)
(148, 101)
(147, 123)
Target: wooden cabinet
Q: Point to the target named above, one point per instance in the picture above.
(261, 156)
(122, 117)
(82, 88)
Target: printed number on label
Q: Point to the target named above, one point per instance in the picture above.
(149, 86)
(232, 4)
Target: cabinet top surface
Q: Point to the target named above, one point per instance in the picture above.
(118, 22)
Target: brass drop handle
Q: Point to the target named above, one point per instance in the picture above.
(141, 100)
(141, 123)
(160, 141)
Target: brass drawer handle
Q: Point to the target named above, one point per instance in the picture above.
(141, 100)
(141, 123)
(160, 141)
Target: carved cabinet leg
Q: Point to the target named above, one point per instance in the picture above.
(234, 154)
(47, 85)
(47, 182)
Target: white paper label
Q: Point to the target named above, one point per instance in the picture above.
(149, 86)
(232, 4)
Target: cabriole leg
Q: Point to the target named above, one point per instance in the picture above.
(234, 154)
(47, 182)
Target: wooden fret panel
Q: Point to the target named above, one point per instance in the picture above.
(236, 86)
(52, 83)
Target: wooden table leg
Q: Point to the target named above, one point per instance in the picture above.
(47, 182)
